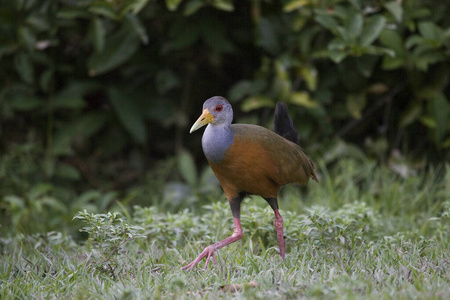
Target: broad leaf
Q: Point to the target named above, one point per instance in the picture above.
(129, 114)
(81, 128)
(303, 99)
(173, 4)
(24, 67)
(187, 168)
(355, 104)
(98, 34)
(372, 30)
(327, 21)
(395, 9)
(193, 6)
(439, 111)
(355, 25)
(118, 49)
(225, 5)
(430, 31)
(292, 5)
(256, 102)
(25, 103)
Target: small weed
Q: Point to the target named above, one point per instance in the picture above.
(108, 234)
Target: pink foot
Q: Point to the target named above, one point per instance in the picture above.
(208, 252)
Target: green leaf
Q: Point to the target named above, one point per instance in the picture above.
(67, 171)
(193, 6)
(392, 63)
(187, 168)
(172, 5)
(129, 114)
(25, 103)
(395, 9)
(24, 67)
(27, 38)
(292, 5)
(214, 36)
(430, 31)
(268, 36)
(355, 104)
(372, 30)
(422, 57)
(81, 128)
(415, 40)
(138, 27)
(8, 49)
(133, 6)
(98, 34)
(337, 55)
(256, 102)
(71, 13)
(118, 49)
(46, 80)
(38, 23)
(310, 75)
(366, 65)
(303, 99)
(182, 36)
(327, 21)
(71, 96)
(166, 80)
(240, 89)
(393, 41)
(104, 10)
(225, 5)
(356, 4)
(355, 25)
(411, 114)
(337, 44)
(439, 111)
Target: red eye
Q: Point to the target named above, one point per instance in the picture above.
(219, 108)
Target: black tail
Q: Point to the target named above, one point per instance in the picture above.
(283, 124)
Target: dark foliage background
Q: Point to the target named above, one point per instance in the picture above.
(97, 97)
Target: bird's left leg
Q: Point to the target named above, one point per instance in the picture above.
(208, 252)
(278, 223)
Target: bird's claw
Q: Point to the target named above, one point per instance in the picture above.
(208, 252)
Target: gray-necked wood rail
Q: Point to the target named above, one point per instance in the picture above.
(250, 160)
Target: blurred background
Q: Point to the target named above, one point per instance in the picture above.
(97, 97)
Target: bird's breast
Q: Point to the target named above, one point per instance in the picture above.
(216, 141)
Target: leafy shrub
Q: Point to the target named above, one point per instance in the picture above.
(108, 234)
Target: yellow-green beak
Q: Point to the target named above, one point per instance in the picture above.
(204, 119)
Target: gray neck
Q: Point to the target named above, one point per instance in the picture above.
(215, 142)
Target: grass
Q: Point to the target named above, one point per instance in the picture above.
(362, 233)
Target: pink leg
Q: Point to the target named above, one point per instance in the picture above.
(208, 252)
(279, 228)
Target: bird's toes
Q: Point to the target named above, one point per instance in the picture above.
(189, 266)
(208, 252)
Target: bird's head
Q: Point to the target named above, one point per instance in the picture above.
(217, 111)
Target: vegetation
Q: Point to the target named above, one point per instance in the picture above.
(362, 233)
(103, 193)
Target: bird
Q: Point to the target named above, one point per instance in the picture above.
(250, 160)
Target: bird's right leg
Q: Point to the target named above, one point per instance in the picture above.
(208, 252)
(278, 223)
